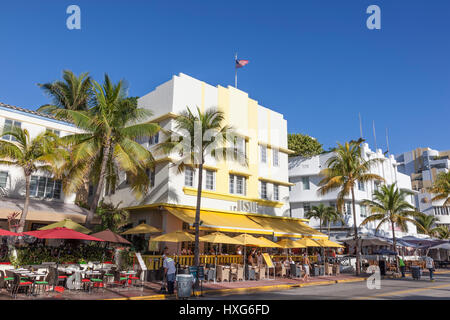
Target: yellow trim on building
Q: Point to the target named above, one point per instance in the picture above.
(169, 115)
(281, 149)
(230, 197)
(240, 173)
(181, 206)
(282, 183)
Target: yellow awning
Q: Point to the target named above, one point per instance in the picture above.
(220, 221)
(291, 228)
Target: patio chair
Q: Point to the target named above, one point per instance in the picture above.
(261, 273)
(211, 274)
(280, 270)
(250, 273)
(40, 283)
(223, 274)
(6, 281)
(20, 283)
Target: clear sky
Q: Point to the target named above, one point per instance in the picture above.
(314, 61)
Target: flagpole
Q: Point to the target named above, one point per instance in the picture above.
(235, 71)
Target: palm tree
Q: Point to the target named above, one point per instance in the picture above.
(442, 232)
(390, 206)
(32, 155)
(194, 143)
(319, 212)
(333, 216)
(344, 169)
(73, 93)
(441, 187)
(109, 142)
(426, 223)
(112, 217)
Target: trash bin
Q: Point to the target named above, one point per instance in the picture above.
(416, 272)
(184, 285)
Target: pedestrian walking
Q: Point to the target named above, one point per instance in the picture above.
(306, 266)
(169, 271)
(402, 266)
(429, 264)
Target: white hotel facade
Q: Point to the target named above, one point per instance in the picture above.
(235, 198)
(48, 202)
(304, 174)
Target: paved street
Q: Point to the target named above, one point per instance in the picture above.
(390, 289)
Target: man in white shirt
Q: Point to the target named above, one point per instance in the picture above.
(429, 264)
(169, 271)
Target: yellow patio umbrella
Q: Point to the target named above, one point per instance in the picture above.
(69, 224)
(142, 228)
(218, 237)
(268, 243)
(329, 244)
(176, 236)
(308, 242)
(290, 244)
(248, 240)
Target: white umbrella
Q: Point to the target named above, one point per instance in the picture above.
(442, 246)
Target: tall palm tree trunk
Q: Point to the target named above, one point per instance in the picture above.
(23, 217)
(320, 225)
(101, 180)
(394, 241)
(355, 227)
(197, 216)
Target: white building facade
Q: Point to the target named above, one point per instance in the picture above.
(258, 189)
(48, 201)
(423, 165)
(304, 174)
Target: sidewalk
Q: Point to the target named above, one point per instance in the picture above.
(248, 286)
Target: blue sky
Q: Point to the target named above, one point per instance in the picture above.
(314, 61)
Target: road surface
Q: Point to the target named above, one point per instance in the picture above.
(391, 289)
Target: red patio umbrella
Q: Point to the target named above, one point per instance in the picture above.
(61, 233)
(109, 236)
(4, 232)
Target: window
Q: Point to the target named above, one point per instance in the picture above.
(275, 153)
(189, 177)
(306, 207)
(348, 208)
(154, 139)
(263, 154)
(376, 185)
(55, 132)
(9, 124)
(237, 184)
(152, 177)
(361, 186)
(3, 178)
(363, 211)
(239, 145)
(41, 187)
(263, 190)
(209, 185)
(276, 192)
(305, 183)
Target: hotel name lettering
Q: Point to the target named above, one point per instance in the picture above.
(246, 206)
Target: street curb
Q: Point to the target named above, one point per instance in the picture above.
(249, 289)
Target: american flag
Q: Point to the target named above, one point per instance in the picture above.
(240, 63)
